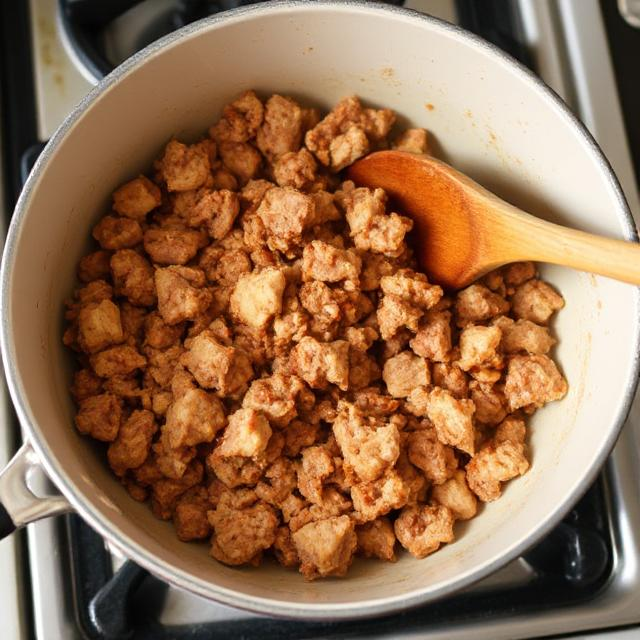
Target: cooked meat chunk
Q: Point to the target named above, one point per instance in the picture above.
(421, 529)
(452, 419)
(240, 535)
(172, 246)
(411, 287)
(536, 301)
(184, 167)
(367, 446)
(241, 159)
(477, 303)
(94, 266)
(240, 119)
(99, 416)
(216, 212)
(326, 547)
(115, 233)
(436, 460)
(281, 131)
(193, 418)
(316, 466)
(131, 447)
(533, 380)
(190, 515)
(405, 372)
(257, 297)
(136, 198)
(433, 338)
(99, 326)
(214, 366)
(456, 496)
(394, 313)
(378, 497)
(180, 293)
(479, 347)
(494, 464)
(133, 277)
(246, 436)
(412, 141)
(117, 361)
(295, 169)
(376, 539)
(524, 336)
(275, 396)
(320, 363)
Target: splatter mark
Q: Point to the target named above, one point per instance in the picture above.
(429, 107)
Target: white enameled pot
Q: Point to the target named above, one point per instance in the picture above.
(491, 118)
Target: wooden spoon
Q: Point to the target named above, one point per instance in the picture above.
(464, 231)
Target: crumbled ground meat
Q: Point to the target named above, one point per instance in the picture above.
(267, 367)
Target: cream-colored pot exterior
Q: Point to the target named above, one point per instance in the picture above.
(492, 120)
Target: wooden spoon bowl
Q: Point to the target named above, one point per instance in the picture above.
(464, 231)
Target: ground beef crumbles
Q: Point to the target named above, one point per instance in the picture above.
(267, 367)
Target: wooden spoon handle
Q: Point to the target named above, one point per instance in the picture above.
(617, 259)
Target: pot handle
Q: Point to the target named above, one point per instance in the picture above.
(18, 504)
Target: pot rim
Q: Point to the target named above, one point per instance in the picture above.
(64, 480)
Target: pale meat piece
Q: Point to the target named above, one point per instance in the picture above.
(536, 301)
(184, 167)
(257, 297)
(166, 491)
(285, 214)
(512, 429)
(417, 402)
(298, 435)
(404, 372)
(456, 496)
(477, 303)
(131, 447)
(347, 147)
(115, 233)
(374, 267)
(215, 211)
(452, 419)
(376, 498)
(160, 335)
(412, 287)
(275, 396)
(240, 535)
(436, 460)
(363, 369)
(190, 515)
(371, 228)
(326, 547)
(85, 384)
(193, 418)
(321, 363)
(240, 119)
(450, 377)
(162, 363)
(117, 361)
(361, 338)
(479, 347)
(241, 159)
(314, 468)
(376, 539)
(99, 326)
(422, 529)
(99, 416)
(533, 380)
(490, 403)
(133, 277)
(94, 266)
(246, 435)
(181, 295)
(284, 549)
(172, 246)
(281, 131)
(394, 313)
(494, 464)
(278, 482)
(224, 267)
(136, 198)
(235, 471)
(295, 169)
(321, 261)
(412, 141)
(347, 116)
(524, 336)
(433, 338)
(368, 446)
(214, 366)
(517, 273)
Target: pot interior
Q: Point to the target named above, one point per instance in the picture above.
(489, 119)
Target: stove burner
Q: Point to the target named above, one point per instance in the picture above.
(100, 34)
